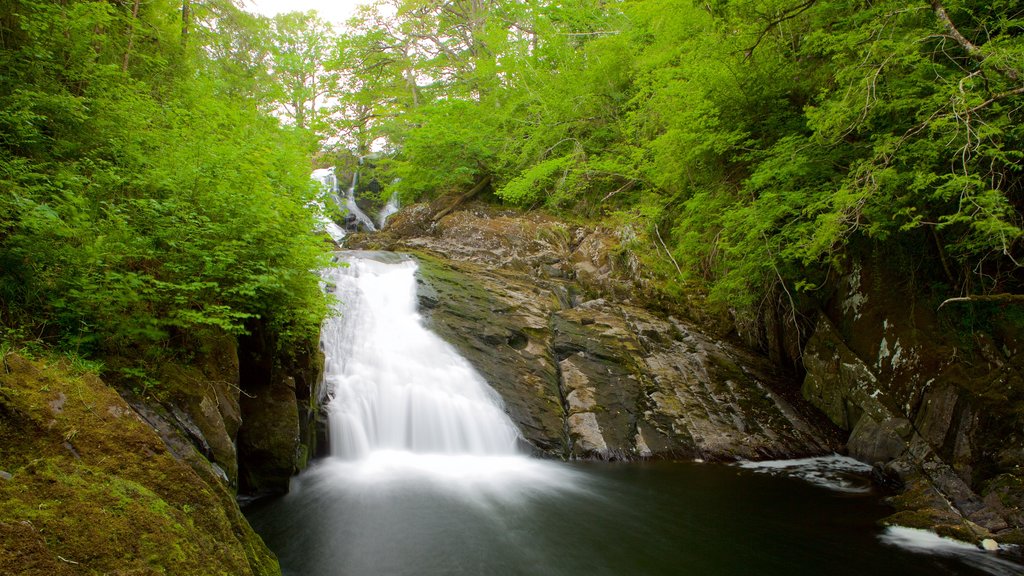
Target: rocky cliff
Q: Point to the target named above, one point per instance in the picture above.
(90, 483)
(930, 393)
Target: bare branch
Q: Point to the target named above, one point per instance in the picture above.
(788, 14)
(1005, 298)
(971, 48)
(672, 258)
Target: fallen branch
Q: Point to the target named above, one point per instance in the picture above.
(971, 48)
(667, 251)
(63, 559)
(999, 298)
(461, 199)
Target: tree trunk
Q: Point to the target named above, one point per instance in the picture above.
(186, 20)
(462, 199)
(131, 36)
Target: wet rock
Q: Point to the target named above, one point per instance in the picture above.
(855, 397)
(278, 410)
(269, 442)
(471, 313)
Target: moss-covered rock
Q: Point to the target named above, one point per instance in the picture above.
(92, 489)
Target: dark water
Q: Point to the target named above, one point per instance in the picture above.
(527, 517)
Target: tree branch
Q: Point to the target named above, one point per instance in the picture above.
(461, 199)
(788, 14)
(970, 47)
(996, 98)
(1004, 298)
(667, 251)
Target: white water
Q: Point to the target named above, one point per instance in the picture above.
(390, 208)
(329, 181)
(396, 386)
(925, 542)
(353, 208)
(835, 472)
(326, 178)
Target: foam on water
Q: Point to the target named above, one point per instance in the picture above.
(924, 541)
(835, 472)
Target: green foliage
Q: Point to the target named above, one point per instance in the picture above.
(146, 196)
(751, 140)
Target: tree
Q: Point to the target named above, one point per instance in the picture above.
(146, 204)
(300, 48)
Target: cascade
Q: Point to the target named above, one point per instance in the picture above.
(353, 208)
(394, 385)
(424, 478)
(388, 210)
(329, 181)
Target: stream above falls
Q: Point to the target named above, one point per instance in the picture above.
(426, 476)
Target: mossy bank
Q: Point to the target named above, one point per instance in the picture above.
(88, 487)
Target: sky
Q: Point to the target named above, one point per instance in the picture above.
(334, 11)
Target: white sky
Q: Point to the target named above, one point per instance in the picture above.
(334, 11)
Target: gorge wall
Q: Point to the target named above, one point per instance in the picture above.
(548, 315)
(929, 392)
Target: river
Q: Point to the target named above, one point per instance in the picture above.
(427, 476)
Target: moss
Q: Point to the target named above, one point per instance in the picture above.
(919, 506)
(92, 484)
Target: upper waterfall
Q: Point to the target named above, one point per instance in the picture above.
(394, 384)
(356, 217)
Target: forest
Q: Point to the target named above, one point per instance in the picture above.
(155, 154)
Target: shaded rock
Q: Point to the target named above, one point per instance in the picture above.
(851, 394)
(269, 442)
(279, 412)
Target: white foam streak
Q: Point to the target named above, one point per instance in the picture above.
(927, 542)
(835, 472)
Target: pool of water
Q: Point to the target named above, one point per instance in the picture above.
(404, 514)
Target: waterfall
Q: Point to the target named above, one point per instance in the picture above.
(390, 208)
(329, 181)
(394, 385)
(353, 208)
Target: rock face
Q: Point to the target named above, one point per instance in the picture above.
(277, 404)
(932, 397)
(541, 310)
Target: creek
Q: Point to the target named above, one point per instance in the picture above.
(427, 476)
